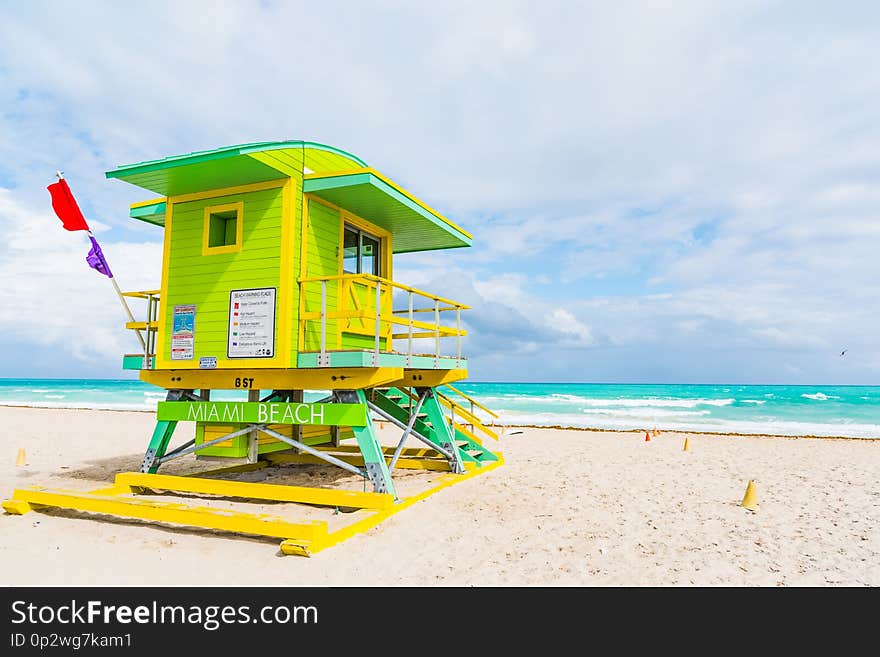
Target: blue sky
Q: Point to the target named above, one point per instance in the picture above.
(659, 192)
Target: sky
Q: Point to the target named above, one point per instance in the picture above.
(658, 192)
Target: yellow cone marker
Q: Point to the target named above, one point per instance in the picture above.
(687, 445)
(21, 459)
(750, 499)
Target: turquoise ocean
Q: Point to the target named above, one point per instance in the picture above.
(819, 410)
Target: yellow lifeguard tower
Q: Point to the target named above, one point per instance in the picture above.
(277, 281)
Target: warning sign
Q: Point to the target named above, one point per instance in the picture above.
(183, 332)
(251, 323)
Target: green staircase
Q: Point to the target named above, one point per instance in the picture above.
(397, 403)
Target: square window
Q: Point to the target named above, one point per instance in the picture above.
(222, 230)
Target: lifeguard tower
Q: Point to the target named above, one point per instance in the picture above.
(277, 282)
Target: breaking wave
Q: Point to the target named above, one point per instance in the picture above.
(642, 403)
(821, 396)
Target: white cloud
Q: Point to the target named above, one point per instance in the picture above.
(52, 298)
(577, 332)
(640, 177)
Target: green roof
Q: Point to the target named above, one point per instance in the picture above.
(331, 174)
(233, 165)
(152, 213)
(370, 195)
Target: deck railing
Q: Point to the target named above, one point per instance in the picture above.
(356, 311)
(146, 329)
(351, 311)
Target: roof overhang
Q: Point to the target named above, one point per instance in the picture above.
(152, 211)
(234, 165)
(370, 195)
(331, 174)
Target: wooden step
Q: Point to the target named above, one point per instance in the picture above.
(257, 491)
(174, 513)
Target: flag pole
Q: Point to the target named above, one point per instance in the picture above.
(119, 293)
(127, 310)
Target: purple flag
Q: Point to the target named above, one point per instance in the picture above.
(96, 259)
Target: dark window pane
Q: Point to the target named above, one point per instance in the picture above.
(222, 228)
(369, 255)
(350, 252)
(229, 233)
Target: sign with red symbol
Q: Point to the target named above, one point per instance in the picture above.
(251, 323)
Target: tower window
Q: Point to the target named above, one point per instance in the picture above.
(222, 230)
(361, 252)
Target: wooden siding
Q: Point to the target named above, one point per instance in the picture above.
(207, 280)
(322, 259)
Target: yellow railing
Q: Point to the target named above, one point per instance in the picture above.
(149, 326)
(356, 311)
(473, 402)
(460, 417)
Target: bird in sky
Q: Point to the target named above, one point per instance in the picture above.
(843, 352)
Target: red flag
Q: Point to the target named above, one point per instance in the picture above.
(65, 206)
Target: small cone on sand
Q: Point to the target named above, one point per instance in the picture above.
(656, 433)
(647, 437)
(687, 445)
(21, 459)
(750, 499)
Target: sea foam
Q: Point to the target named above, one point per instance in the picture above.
(647, 402)
(821, 396)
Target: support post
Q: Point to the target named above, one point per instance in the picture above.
(296, 396)
(409, 339)
(371, 450)
(148, 349)
(253, 445)
(436, 334)
(458, 335)
(154, 321)
(378, 323)
(161, 437)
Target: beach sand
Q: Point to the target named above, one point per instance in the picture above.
(567, 508)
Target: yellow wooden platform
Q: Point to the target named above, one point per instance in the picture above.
(128, 497)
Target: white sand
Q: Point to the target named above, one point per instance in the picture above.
(567, 508)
